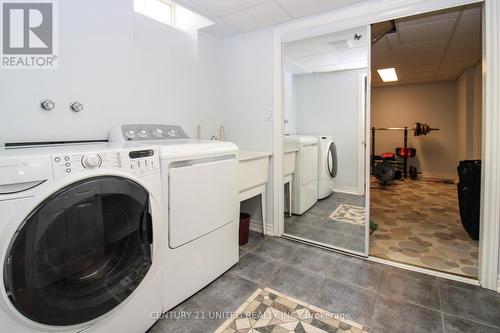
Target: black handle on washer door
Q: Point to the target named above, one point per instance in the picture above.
(331, 166)
(146, 228)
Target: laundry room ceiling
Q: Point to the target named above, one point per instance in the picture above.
(429, 48)
(327, 53)
(233, 17)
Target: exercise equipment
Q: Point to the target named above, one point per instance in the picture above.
(389, 159)
(384, 172)
(422, 129)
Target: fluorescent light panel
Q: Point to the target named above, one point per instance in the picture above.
(387, 74)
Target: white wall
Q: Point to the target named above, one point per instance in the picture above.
(477, 107)
(469, 108)
(330, 104)
(247, 80)
(431, 103)
(247, 83)
(124, 68)
(465, 115)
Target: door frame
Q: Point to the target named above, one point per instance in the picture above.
(370, 12)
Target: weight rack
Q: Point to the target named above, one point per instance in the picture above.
(418, 130)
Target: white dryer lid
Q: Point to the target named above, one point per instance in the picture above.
(195, 148)
(301, 139)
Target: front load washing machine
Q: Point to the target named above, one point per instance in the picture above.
(80, 239)
(200, 205)
(327, 166)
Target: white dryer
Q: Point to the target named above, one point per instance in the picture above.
(81, 239)
(327, 166)
(305, 180)
(200, 205)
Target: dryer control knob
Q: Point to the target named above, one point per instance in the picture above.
(143, 133)
(130, 134)
(91, 161)
(172, 133)
(158, 132)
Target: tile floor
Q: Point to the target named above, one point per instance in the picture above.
(316, 224)
(419, 224)
(382, 298)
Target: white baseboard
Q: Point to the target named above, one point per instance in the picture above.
(257, 227)
(346, 189)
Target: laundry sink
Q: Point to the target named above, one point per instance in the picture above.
(253, 169)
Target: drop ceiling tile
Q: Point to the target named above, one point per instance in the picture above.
(420, 53)
(393, 39)
(380, 63)
(302, 8)
(351, 55)
(414, 81)
(442, 15)
(224, 8)
(391, 84)
(472, 10)
(468, 29)
(257, 17)
(304, 48)
(457, 65)
(473, 55)
(465, 45)
(426, 76)
(381, 55)
(448, 74)
(316, 60)
(427, 31)
(421, 68)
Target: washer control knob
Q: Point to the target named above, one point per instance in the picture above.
(130, 134)
(47, 105)
(76, 107)
(91, 161)
(172, 133)
(142, 133)
(158, 132)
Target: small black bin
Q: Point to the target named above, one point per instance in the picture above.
(469, 195)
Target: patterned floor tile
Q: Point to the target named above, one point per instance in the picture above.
(269, 311)
(419, 224)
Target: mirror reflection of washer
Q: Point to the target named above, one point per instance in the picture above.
(327, 166)
(81, 239)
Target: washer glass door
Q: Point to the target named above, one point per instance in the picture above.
(81, 252)
(332, 160)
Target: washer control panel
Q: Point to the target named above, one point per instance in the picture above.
(152, 132)
(134, 161)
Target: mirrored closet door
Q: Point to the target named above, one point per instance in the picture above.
(324, 82)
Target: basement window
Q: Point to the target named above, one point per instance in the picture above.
(170, 13)
(160, 10)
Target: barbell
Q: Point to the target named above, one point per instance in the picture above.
(423, 129)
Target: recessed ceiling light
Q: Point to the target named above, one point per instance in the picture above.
(387, 74)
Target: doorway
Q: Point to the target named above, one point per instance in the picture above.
(426, 122)
(367, 14)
